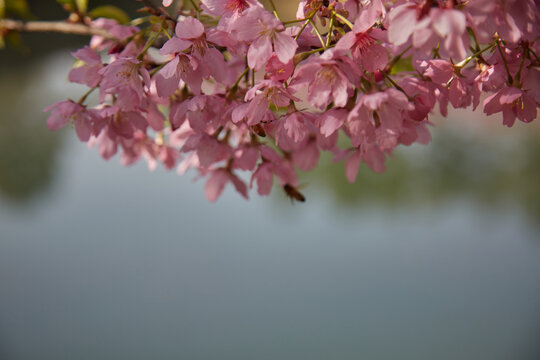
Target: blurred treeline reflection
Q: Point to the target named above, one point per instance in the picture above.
(489, 170)
(480, 169)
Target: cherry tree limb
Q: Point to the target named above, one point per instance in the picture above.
(53, 26)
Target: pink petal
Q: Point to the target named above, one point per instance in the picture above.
(285, 47)
(402, 21)
(352, 165)
(509, 117)
(259, 52)
(374, 157)
(166, 86)
(215, 184)
(239, 185)
(448, 21)
(346, 42)
(306, 158)
(83, 127)
(527, 112)
(295, 127)
(264, 178)
(331, 121)
(367, 18)
(214, 7)
(174, 45)
(87, 55)
(375, 58)
(189, 28)
(509, 95)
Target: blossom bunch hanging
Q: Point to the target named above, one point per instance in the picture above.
(230, 90)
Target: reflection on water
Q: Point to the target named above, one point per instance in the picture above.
(432, 260)
(28, 149)
(488, 170)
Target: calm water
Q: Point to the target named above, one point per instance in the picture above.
(437, 259)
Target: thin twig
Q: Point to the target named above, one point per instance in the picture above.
(510, 79)
(274, 10)
(54, 26)
(343, 19)
(318, 33)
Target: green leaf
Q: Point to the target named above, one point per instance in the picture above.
(82, 5)
(17, 8)
(111, 12)
(2, 9)
(403, 64)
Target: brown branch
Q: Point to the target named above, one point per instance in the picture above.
(53, 26)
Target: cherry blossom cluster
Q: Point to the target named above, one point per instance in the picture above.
(232, 91)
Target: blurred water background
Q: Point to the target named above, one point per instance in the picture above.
(438, 258)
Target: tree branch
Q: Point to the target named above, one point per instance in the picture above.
(53, 26)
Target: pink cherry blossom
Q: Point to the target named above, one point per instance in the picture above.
(513, 103)
(62, 112)
(327, 79)
(363, 46)
(88, 72)
(266, 35)
(228, 90)
(126, 78)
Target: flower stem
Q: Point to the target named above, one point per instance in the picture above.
(330, 30)
(510, 79)
(85, 95)
(148, 44)
(240, 78)
(475, 55)
(274, 10)
(343, 19)
(517, 79)
(323, 43)
(301, 30)
(395, 84)
(294, 21)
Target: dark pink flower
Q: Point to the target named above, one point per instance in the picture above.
(217, 181)
(62, 112)
(512, 102)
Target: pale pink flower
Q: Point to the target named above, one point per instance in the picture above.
(125, 78)
(266, 35)
(258, 100)
(209, 150)
(88, 72)
(428, 25)
(202, 62)
(327, 78)
(278, 70)
(227, 8)
(120, 32)
(363, 46)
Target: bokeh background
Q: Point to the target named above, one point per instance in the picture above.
(438, 258)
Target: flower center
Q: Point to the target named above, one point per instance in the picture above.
(237, 5)
(326, 74)
(363, 41)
